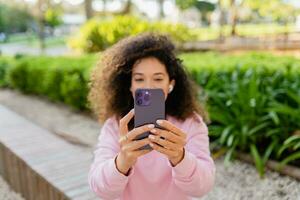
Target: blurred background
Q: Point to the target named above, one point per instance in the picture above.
(243, 54)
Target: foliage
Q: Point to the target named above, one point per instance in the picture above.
(253, 99)
(13, 19)
(254, 103)
(98, 34)
(53, 17)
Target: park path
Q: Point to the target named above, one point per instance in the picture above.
(19, 48)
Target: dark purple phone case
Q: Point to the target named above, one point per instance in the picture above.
(150, 113)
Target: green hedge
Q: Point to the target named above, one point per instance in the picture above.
(253, 99)
(60, 79)
(5, 63)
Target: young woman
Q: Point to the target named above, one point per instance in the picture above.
(178, 167)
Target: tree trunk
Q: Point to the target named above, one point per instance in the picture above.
(233, 17)
(161, 8)
(88, 9)
(127, 8)
(41, 24)
(221, 21)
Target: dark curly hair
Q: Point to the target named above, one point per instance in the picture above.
(111, 78)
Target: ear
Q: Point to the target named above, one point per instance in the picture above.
(172, 82)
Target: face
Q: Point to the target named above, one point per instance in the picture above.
(150, 73)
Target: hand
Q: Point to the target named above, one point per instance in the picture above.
(173, 143)
(129, 147)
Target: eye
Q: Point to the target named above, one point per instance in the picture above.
(139, 79)
(158, 79)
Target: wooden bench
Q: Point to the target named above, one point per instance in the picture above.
(40, 165)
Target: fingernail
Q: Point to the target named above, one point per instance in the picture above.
(151, 137)
(151, 126)
(151, 145)
(159, 121)
(153, 130)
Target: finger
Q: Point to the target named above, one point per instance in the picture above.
(167, 152)
(169, 136)
(139, 130)
(124, 121)
(134, 145)
(165, 143)
(169, 126)
(141, 152)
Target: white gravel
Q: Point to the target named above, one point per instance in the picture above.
(6, 193)
(237, 182)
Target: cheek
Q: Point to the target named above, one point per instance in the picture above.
(133, 87)
(165, 89)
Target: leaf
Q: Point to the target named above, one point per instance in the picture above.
(228, 156)
(273, 131)
(230, 140)
(284, 147)
(225, 133)
(295, 97)
(291, 139)
(290, 158)
(297, 146)
(257, 128)
(269, 151)
(257, 159)
(274, 117)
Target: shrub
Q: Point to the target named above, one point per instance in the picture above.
(98, 34)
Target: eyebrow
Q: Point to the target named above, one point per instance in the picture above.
(158, 73)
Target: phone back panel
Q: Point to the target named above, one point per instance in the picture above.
(146, 114)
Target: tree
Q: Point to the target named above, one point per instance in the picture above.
(234, 17)
(52, 18)
(161, 8)
(204, 7)
(277, 10)
(88, 9)
(14, 19)
(127, 8)
(185, 4)
(41, 24)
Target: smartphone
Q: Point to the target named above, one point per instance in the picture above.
(149, 106)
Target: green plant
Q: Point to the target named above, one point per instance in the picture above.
(253, 99)
(99, 33)
(4, 65)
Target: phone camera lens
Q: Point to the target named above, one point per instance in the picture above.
(139, 94)
(139, 101)
(147, 97)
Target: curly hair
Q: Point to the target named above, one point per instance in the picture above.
(110, 80)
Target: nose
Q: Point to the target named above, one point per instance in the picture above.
(149, 85)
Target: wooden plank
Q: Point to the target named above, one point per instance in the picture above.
(78, 191)
(29, 194)
(66, 170)
(41, 165)
(48, 154)
(86, 196)
(71, 181)
(32, 146)
(22, 176)
(2, 164)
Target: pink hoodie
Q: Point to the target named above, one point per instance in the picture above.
(152, 176)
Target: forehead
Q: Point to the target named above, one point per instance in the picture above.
(149, 65)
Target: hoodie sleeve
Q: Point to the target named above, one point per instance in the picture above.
(195, 174)
(104, 178)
